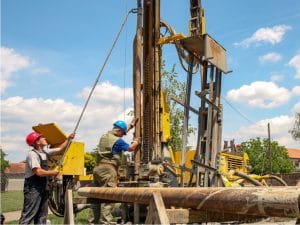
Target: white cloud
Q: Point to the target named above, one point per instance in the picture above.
(260, 94)
(297, 107)
(20, 114)
(296, 90)
(11, 62)
(295, 62)
(279, 127)
(271, 35)
(105, 92)
(276, 77)
(270, 57)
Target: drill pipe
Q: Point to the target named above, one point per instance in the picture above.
(260, 201)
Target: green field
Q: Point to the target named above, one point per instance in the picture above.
(11, 201)
(80, 218)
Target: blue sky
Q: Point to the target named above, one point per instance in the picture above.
(51, 53)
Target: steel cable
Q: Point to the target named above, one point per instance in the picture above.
(98, 76)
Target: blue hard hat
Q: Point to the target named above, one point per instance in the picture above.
(122, 125)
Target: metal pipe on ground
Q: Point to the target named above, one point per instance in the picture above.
(260, 201)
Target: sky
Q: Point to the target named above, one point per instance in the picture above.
(53, 50)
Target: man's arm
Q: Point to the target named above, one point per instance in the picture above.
(34, 161)
(134, 144)
(62, 148)
(44, 173)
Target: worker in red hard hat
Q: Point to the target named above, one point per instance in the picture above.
(110, 149)
(35, 208)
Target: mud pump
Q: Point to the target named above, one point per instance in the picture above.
(145, 181)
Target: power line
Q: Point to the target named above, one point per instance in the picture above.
(237, 111)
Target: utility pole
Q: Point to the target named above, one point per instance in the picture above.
(269, 146)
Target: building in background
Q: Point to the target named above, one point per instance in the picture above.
(15, 173)
(294, 155)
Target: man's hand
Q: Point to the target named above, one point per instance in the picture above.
(55, 172)
(71, 136)
(133, 122)
(138, 140)
(134, 144)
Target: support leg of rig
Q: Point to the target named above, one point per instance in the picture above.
(69, 213)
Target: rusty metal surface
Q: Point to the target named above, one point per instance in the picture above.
(148, 82)
(261, 201)
(216, 52)
(194, 44)
(209, 48)
(137, 87)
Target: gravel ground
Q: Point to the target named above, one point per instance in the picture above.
(10, 216)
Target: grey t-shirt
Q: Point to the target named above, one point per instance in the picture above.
(33, 160)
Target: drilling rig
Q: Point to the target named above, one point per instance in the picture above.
(198, 53)
(143, 181)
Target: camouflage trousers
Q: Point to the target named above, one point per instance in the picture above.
(104, 176)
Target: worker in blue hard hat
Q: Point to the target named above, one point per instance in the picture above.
(110, 149)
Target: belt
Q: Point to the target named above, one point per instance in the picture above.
(106, 164)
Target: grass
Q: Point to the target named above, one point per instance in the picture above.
(11, 201)
(80, 218)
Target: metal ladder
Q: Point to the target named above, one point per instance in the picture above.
(196, 17)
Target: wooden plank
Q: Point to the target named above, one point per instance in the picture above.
(69, 214)
(157, 213)
(178, 216)
(184, 216)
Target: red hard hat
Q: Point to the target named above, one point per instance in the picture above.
(32, 137)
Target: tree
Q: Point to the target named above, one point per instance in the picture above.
(175, 88)
(295, 131)
(89, 161)
(4, 165)
(258, 151)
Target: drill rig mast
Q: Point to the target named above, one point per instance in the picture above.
(198, 50)
(147, 88)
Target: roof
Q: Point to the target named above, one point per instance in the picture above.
(293, 153)
(16, 168)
